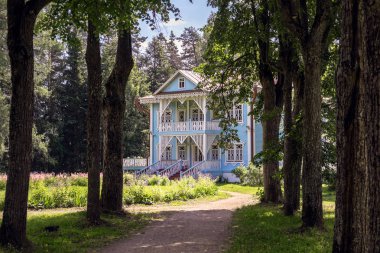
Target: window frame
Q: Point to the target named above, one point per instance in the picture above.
(235, 154)
(181, 80)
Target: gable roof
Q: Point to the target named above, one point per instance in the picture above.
(191, 75)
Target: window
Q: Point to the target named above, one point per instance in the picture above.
(167, 117)
(198, 156)
(214, 153)
(236, 112)
(181, 115)
(181, 153)
(167, 155)
(196, 115)
(181, 83)
(235, 153)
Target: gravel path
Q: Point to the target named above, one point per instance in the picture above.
(202, 227)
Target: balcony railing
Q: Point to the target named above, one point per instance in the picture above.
(188, 126)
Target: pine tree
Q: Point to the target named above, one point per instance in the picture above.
(172, 53)
(156, 63)
(191, 47)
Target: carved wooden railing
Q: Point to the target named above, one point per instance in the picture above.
(188, 126)
(173, 169)
(194, 170)
(153, 168)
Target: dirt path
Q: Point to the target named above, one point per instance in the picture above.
(202, 227)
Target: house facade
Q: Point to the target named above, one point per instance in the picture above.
(183, 132)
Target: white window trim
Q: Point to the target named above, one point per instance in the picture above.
(163, 115)
(234, 113)
(179, 83)
(200, 112)
(234, 148)
(217, 149)
(171, 152)
(181, 110)
(184, 146)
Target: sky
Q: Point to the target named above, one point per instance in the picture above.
(192, 14)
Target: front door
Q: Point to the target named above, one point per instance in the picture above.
(197, 155)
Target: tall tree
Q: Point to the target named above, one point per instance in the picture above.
(293, 84)
(21, 17)
(156, 61)
(114, 108)
(311, 28)
(172, 53)
(94, 116)
(357, 224)
(242, 48)
(191, 55)
(114, 101)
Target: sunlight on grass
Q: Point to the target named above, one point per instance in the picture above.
(74, 234)
(264, 228)
(238, 188)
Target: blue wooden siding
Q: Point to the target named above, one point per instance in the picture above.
(173, 85)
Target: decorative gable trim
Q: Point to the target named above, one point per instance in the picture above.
(187, 74)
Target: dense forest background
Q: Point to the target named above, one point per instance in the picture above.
(59, 132)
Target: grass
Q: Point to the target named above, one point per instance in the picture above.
(74, 234)
(238, 188)
(219, 195)
(264, 228)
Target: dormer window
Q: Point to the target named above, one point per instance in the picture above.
(181, 83)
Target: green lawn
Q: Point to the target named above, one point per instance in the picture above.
(238, 188)
(74, 234)
(264, 228)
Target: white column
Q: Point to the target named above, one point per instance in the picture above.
(204, 147)
(151, 135)
(188, 115)
(204, 113)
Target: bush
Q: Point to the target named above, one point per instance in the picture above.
(250, 175)
(161, 189)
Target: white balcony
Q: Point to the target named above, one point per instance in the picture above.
(188, 126)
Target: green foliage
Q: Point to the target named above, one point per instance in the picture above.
(158, 189)
(250, 175)
(61, 191)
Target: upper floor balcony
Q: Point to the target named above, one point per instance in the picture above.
(187, 126)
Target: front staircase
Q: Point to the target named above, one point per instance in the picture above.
(177, 169)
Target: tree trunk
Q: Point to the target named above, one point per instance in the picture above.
(292, 145)
(271, 123)
(312, 214)
(312, 34)
(357, 222)
(21, 20)
(94, 115)
(114, 109)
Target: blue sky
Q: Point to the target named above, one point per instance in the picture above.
(192, 14)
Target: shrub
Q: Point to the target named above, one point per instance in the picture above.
(250, 175)
(3, 184)
(161, 189)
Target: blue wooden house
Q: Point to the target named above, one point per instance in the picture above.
(183, 132)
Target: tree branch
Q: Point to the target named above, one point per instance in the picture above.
(36, 6)
(294, 16)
